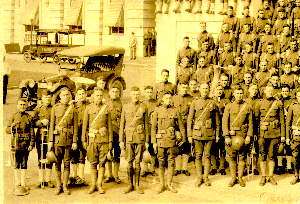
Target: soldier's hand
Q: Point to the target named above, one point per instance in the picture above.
(74, 146)
(190, 139)
(288, 141)
(29, 148)
(282, 139)
(247, 140)
(228, 140)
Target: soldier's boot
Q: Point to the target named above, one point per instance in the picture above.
(65, 182)
(58, 182)
(241, 167)
(116, 168)
(206, 172)
(152, 166)
(263, 167)
(176, 7)
(271, 173)
(138, 187)
(199, 7)
(17, 176)
(161, 175)
(232, 167)
(296, 173)
(224, 10)
(41, 179)
(94, 176)
(48, 178)
(130, 181)
(289, 164)
(159, 5)
(144, 166)
(222, 166)
(101, 172)
(81, 173)
(170, 179)
(23, 183)
(109, 178)
(199, 179)
(74, 169)
(184, 167)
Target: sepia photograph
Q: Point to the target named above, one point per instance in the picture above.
(150, 101)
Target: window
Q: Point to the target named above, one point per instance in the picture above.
(116, 30)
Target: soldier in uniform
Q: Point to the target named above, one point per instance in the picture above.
(292, 55)
(227, 56)
(132, 46)
(268, 9)
(207, 53)
(147, 43)
(284, 40)
(186, 51)
(163, 85)
(260, 22)
(42, 119)
(275, 83)
(288, 78)
(280, 22)
(22, 142)
(166, 121)
(224, 82)
(193, 89)
(246, 19)
(225, 36)
(204, 36)
(63, 137)
(97, 138)
(151, 103)
(101, 84)
(115, 108)
(271, 56)
(247, 84)
(271, 132)
(262, 76)
(231, 20)
(203, 129)
(265, 38)
(236, 71)
(184, 71)
(246, 36)
(78, 156)
(237, 124)
(293, 135)
(204, 72)
(182, 102)
(250, 58)
(134, 132)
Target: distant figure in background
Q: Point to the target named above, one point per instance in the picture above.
(132, 46)
(147, 43)
(153, 43)
(6, 71)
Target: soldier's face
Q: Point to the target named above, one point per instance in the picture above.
(101, 84)
(274, 80)
(248, 48)
(230, 12)
(205, 45)
(267, 28)
(227, 46)
(263, 66)
(270, 49)
(193, 85)
(98, 96)
(148, 94)
(65, 97)
(246, 28)
(281, 3)
(298, 97)
(298, 3)
(219, 91)
(202, 26)
(246, 12)
(253, 91)
(269, 92)
(224, 81)
(31, 83)
(286, 31)
(266, 4)
(225, 27)
(293, 46)
(185, 62)
(287, 68)
(135, 96)
(183, 89)
(46, 100)
(186, 42)
(165, 76)
(261, 14)
(285, 92)
(80, 95)
(166, 99)
(238, 60)
(281, 14)
(201, 62)
(238, 95)
(114, 93)
(247, 78)
(21, 106)
(204, 90)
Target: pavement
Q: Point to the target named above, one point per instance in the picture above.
(140, 72)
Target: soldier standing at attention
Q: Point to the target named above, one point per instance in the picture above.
(260, 22)
(166, 121)
(42, 121)
(237, 125)
(224, 82)
(132, 46)
(193, 89)
(186, 51)
(182, 102)
(203, 128)
(115, 108)
(164, 85)
(97, 136)
(150, 103)
(78, 156)
(203, 36)
(134, 133)
(231, 20)
(293, 135)
(63, 137)
(147, 43)
(22, 142)
(184, 71)
(272, 131)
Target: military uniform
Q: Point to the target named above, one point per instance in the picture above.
(272, 58)
(209, 56)
(63, 133)
(259, 25)
(147, 44)
(288, 79)
(203, 129)
(262, 78)
(264, 40)
(232, 21)
(271, 117)
(97, 132)
(250, 60)
(165, 121)
(293, 134)
(134, 131)
(204, 74)
(161, 87)
(203, 36)
(283, 43)
(235, 73)
(237, 121)
(184, 74)
(186, 52)
(293, 57)
(243, 21)
(246, 38)
(226, 59)
(225, 37)
(278, 25)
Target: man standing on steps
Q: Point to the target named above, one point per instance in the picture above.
(203, 127)
(63, 134)
(163, 86)
(134, 137)
(237, 125)
(166, 121)
(147, 43)
(132, 46)
(97, 138)
(272, 132)
(186, 51)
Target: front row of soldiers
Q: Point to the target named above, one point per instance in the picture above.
(102, 129)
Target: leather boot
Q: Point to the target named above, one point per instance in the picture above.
(130, 181)
(206, 172)
(170, 179)
(57, 175)
(199, 7)
(116, 166)
(232, 167)
(271, 173)
(199, 180)
(100, 180)
(296, 173)
(93, 186)
(65, 182)
(138, 188)
(241, 168)
(161, 175)
(263, 167)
